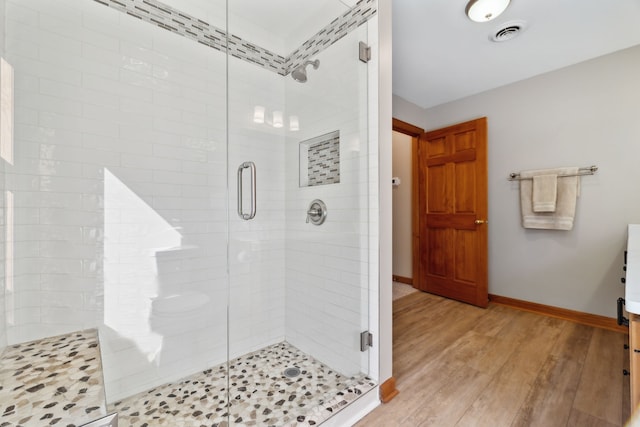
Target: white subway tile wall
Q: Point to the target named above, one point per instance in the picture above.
(256, 249)
(120, 189)
(121, 203)
(327, 277)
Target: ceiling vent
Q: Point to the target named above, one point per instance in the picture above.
(508, 31)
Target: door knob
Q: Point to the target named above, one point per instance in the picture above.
(481, 221)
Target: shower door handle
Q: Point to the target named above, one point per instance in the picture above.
(252, 169)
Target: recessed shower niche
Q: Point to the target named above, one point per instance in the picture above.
(320, 160)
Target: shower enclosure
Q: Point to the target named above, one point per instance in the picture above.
(158, 165)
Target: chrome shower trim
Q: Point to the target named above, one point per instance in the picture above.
(300, 73)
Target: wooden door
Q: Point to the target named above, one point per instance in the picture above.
(452, 202)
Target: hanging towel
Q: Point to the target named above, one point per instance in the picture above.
(567, 191)
(544, 193)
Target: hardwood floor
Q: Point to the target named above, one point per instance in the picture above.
(459, 365)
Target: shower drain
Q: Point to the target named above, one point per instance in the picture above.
(291, 372)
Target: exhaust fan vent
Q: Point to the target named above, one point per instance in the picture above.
(508, 31)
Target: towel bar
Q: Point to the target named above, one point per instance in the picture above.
(590, 170)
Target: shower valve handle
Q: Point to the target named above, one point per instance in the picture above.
(317, 212)
(313, 213)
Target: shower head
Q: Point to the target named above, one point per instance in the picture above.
(300, 73)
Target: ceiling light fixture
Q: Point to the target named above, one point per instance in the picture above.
(485, 10)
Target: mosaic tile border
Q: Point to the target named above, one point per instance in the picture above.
(337, 29)
(170, 19)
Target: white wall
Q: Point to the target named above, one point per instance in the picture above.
(581, 115)
(402, 227)
(376, 117)
(384, 215)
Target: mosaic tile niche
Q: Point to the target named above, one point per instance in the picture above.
(320, 160)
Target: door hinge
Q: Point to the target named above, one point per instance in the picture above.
(366, 340)
(364, 52)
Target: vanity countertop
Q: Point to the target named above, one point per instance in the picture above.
(632, 282)
(52, 381)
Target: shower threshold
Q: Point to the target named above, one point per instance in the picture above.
(260, 394)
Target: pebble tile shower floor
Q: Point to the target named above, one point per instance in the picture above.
(259, 392)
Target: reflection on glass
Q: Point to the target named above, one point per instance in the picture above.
(133, 234)
(9, 257)
(277, 119)
(258, 114)
(294, 124)
(6, 111)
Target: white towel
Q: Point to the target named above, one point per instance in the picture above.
(544, 193)
(567, 192)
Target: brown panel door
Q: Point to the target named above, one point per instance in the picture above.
(452, 202)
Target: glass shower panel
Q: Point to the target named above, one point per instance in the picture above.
(118, 193)
(298, 291)
(6, 130)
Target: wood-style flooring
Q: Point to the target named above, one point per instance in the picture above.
(459, 365)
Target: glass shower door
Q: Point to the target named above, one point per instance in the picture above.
(298, 296)
(118, 197)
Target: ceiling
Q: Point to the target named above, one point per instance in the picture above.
(439, 55)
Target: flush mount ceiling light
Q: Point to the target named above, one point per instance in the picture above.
(485, 10)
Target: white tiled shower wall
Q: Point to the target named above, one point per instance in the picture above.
(327, 265)
(256, 252)
(120, 184)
